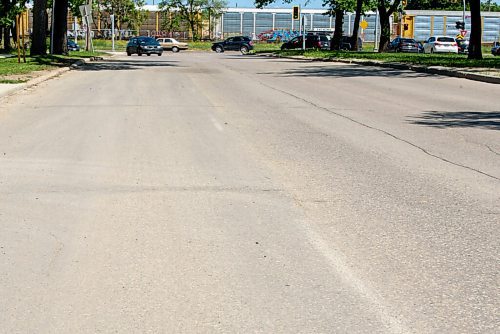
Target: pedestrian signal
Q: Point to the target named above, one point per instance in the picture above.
(296, 12)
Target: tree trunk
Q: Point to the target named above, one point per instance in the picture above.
(60, 26)
(385, 30)
(6, 40)
(385, 23)
(355, 30)
(475, 51)
(6, 5)
(194, 32)
(38, 43)
(337, 35)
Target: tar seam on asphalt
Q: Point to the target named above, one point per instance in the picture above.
(382, 131)
(492, 150)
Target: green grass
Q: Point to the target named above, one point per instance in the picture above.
(448, 60)
(11, 67)
(8, 81)
(106, 44)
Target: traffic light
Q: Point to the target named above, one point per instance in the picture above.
(460, 25)
(296, 12)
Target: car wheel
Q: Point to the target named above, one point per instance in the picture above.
(149, 54)
(159, 54)
(139, 53)
(175, 49)
(128, 54)
(244, 49)
(219, 49)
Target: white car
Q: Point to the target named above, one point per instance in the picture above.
(437, 44)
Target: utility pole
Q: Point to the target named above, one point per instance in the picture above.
(463, 14)
(87, 21)
(52, 28)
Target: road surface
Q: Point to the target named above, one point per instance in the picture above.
(203, 192)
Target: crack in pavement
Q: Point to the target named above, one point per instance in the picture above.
(153, 189)
(382, 131)
(492, 150)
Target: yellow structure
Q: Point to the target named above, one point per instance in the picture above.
(408, 26)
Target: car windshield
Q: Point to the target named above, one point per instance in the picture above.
(148, 40)
(445, 39)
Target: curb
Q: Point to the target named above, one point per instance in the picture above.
(401, 66)
(40, 79)
(429, 70)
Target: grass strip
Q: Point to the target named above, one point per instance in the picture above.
(10, 66)
(445, 60)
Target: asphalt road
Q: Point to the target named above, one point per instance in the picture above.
(197, 192)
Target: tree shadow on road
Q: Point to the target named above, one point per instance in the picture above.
(118, 65)
(459, 119)
(349, 71)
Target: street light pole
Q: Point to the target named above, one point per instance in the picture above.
(463, 14)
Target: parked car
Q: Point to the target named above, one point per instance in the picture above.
(346, 44)
(172, 44)
(143, 45)
(312, 42)
(420, 47)
(463, 45)
(400, 44)
(495, 50)
(237, 43)
(440, 44)
(73, 46)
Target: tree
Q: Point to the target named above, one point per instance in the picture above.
(434, 5)
(213, 10)
(9, 9)
(126, 11)
(475, 51)
(338, 8)
(385, 10)
(190, 11)
(60, 26)
(361, 6)
(38, 43)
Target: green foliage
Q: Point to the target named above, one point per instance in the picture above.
(126, 11)
(190, 12)
(434, 5)
(487, 5)
(74, 6)
(9, 10)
